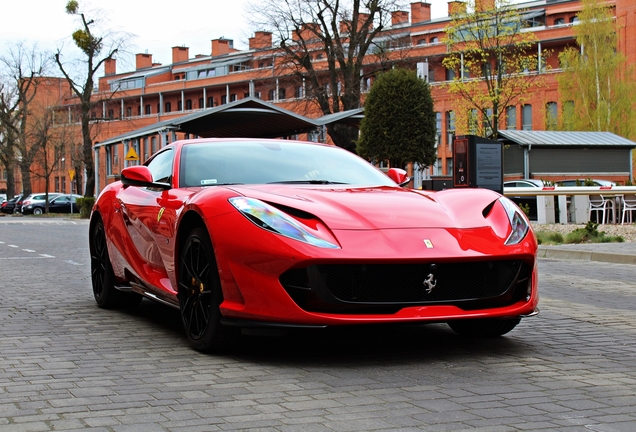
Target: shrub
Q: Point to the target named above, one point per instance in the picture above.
(86, 205)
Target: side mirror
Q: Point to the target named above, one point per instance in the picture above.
(140, 175)
(399, 176)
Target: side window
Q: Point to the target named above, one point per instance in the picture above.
(161, 167)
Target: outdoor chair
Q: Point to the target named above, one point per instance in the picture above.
(628, 202)
(602, 207)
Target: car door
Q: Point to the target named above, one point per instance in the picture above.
(61, 204)
(141, 211)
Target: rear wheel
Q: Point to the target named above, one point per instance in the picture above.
(483, 328)
(37, 211)
(102, 276)
(200, 294)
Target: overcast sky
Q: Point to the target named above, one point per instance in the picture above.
(157, 26)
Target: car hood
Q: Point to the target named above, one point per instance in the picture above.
(364, 208)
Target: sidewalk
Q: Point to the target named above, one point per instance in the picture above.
(619, 253)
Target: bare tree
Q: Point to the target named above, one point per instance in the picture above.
(325, 42)
(8, 157)
(23, 69)
(50, 142)
(96, 50)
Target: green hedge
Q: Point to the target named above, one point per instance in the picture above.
(86, 205)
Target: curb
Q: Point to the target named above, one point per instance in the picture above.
(580, 255)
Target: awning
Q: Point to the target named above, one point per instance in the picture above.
(550, 138)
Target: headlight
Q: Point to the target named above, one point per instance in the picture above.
(270, 218)
(518, 222)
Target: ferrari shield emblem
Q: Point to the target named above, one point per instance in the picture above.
(428, 243)
(160, 214)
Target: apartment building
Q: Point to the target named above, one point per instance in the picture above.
(154, 93)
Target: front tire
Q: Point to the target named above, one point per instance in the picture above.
(102, 276)
(200, 294)
(483, 328)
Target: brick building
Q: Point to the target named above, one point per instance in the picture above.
(153, 93)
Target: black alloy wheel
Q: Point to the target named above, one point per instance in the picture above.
(102, 276)
(200, 294)
(483, 328)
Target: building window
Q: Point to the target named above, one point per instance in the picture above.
(210, 102)
(488, 122)
(511, 117)
(271, 95)
(421, 42)
(438, 129)
(57, 184)
(128, 111)
(449, 166)
(109, 161)
(168, 107)
(63, 184)
(148, 109)
(188, 104)
(139, 110)
(298, 92)
(232, 97)
(574, 19)
(111, 114)
(473, 121)
(158, 109)
(201, 102)
(223, 99)
(281, 93)
(526, 117)
(551, 116)
(568, 115)
(153, 145)
(450, 129)
(559, 21)
(450, 74)
(434, 40)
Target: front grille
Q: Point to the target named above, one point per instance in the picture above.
(386, 288)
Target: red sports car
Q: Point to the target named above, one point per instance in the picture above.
(251, 232)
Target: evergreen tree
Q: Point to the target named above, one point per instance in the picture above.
(399, 121)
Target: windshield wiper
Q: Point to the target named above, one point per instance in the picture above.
(306, 182)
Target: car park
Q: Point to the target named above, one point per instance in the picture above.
(35, 203)
(255, 233)
(9, 206)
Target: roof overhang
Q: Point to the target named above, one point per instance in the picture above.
(567, 139)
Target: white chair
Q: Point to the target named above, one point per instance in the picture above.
(600, 205)
(628, 202)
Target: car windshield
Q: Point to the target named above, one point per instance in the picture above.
(259, 162)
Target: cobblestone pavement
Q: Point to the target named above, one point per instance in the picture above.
(67, 365)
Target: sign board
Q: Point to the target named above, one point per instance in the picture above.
(71, 174)
(132, 154)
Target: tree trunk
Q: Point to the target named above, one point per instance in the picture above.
(343, 136)
(26, 178)
(87, 154)
(10, 182)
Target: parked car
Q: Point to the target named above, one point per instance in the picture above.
(62, 204)
(581, 182)
(522, 201)
(3, 198)
(277, 233)
(34, 203)
(9, 206)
